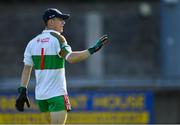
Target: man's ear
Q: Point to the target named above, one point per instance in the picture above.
(50, 22)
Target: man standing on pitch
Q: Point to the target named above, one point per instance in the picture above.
(47, 53)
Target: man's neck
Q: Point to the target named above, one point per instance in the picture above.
(51, 30)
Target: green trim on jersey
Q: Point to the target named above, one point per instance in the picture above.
(50, 62)
(59, 39)
(61, 44)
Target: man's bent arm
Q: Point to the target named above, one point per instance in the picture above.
(26, 75)
(77, 56)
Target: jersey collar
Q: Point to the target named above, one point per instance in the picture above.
(48, 31)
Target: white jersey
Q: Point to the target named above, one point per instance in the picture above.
(42, 53)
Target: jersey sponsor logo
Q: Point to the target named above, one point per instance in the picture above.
(43, 40)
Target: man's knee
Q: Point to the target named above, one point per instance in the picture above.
(58, 117)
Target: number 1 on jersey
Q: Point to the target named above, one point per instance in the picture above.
(42, 59)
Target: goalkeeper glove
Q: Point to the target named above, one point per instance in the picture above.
(22, 98)
(102, 41)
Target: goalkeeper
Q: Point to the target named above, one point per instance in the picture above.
(47, 53)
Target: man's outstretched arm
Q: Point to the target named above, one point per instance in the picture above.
(77, 56)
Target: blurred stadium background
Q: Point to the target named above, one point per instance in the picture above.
(135, 79)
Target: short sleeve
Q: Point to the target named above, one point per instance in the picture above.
(27, 56)
(63, 48)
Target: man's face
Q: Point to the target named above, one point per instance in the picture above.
(57, 24)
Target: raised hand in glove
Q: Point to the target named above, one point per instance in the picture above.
(22, 98)
(101, 42)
